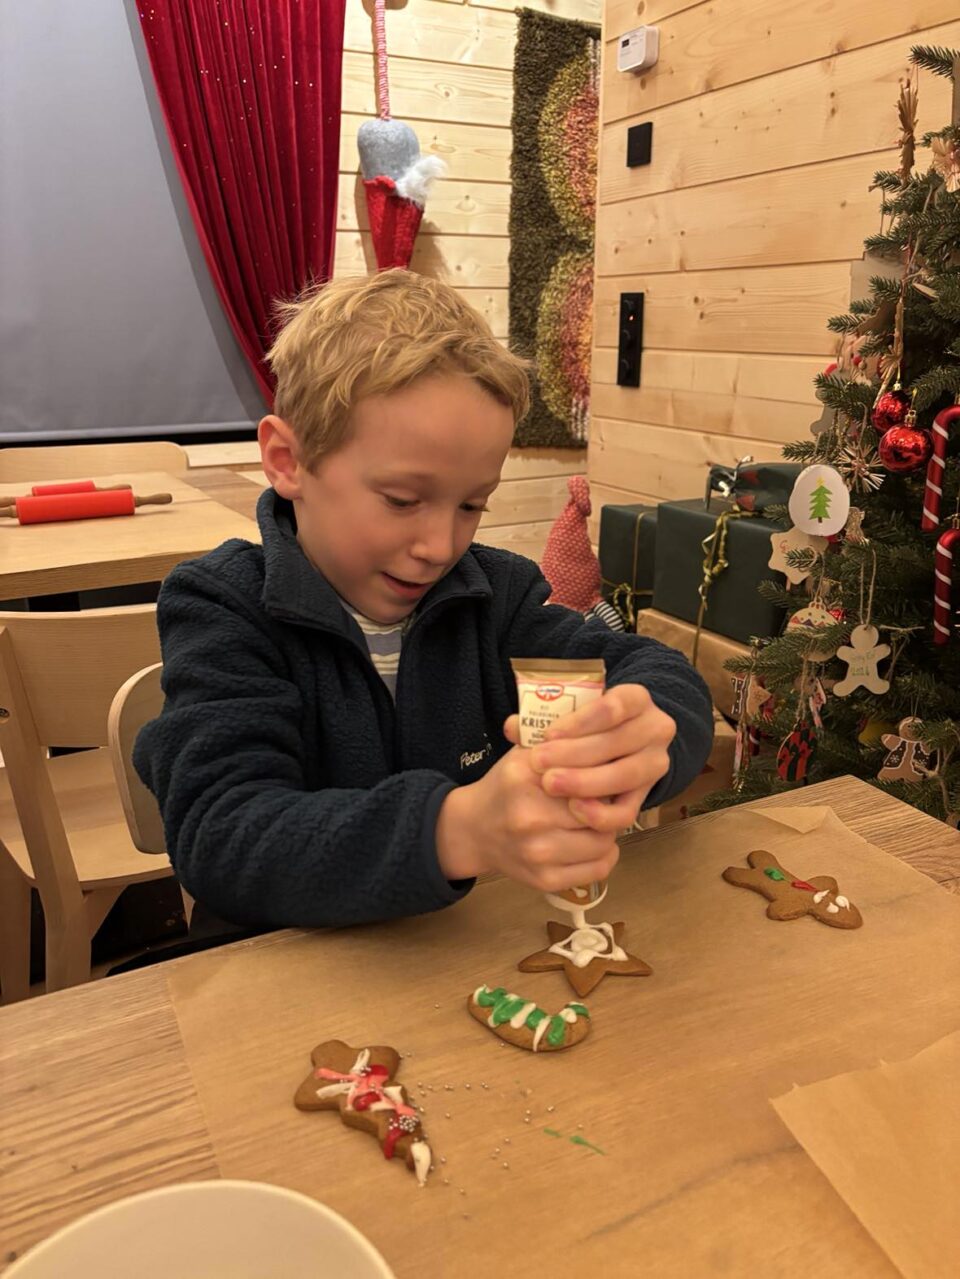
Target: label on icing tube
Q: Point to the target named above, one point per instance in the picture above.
(548, 689)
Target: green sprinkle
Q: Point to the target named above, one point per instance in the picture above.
(552, 1132)
(582, 1141)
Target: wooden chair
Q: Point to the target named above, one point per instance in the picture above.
(81, 461)
(137, 702)
(62, 824)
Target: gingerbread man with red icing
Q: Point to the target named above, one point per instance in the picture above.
(791, 897)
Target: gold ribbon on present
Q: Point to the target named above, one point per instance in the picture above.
(714, 562)
(623, 594)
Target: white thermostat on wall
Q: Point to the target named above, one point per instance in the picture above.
(639, 49)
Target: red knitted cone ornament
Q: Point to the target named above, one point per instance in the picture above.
(568, 563)
(394, 222)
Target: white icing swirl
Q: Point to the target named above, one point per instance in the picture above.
(588, 942)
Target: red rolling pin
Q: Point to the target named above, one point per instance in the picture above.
(73, 486)
(79, 506)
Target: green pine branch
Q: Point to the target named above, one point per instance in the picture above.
(934, 58)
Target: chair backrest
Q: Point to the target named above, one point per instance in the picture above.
(58, 675)
(70, 665)
(138, 701)
(81, 461)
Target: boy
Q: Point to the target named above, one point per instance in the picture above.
(338, 743)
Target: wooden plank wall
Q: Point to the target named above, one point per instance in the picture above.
(770, 118)
(451, 79)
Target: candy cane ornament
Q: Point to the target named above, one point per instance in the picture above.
(935, 467)
(943, 584)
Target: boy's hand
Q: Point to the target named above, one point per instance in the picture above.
(507, 822)
(614, 747)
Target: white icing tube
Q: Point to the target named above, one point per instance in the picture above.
(548, 689)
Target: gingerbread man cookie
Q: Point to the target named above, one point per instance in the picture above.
(520, 1022)
(357, 1082)
(585, 953)
(790, 897)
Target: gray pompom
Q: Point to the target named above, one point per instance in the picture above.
(387, 148)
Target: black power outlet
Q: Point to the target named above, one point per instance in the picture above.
(639, 144)
(630, 342)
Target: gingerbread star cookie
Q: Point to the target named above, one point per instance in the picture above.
(520, 1022)
(585, 953)
(358, 1083)
(791, 897)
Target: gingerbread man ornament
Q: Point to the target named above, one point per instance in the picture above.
(790, 897)
(862, 655)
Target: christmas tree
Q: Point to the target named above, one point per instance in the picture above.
(865, 678)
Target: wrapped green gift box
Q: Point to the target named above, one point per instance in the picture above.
(734, 607)
(628, 536)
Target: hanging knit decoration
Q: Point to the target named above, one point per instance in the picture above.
(396, 177)
(568, 563)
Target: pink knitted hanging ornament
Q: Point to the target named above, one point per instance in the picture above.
(568, 563)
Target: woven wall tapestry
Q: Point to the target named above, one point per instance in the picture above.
(554, 176)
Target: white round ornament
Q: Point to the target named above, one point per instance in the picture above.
(820, 501)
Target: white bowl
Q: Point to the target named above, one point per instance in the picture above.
(207, 1230)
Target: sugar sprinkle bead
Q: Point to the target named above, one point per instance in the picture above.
(496, 1150)
(506, 1165)
(446, 1114)
(446, 1181)
(436, 1005)
(462, 1191)
(484, 1085)
(506, 1141)
(443, 1159)
(551, 1109)
(526, 1119)
(467, 1086)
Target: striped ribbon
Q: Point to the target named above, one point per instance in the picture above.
(380, 41)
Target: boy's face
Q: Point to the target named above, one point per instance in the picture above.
(393, 509)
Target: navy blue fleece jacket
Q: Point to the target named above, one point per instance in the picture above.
(293, 790)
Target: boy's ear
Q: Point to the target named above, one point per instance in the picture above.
(280, 454)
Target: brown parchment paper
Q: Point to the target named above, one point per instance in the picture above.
(889, 1141)
(699, 1176)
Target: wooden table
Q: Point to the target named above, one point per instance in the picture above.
(82, 555)
(108, 1089)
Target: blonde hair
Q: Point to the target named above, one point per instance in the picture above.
(370, 335)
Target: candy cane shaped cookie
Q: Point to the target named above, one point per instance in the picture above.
(935, 467)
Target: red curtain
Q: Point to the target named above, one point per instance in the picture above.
(250, 90)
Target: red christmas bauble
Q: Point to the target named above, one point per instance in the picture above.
(889, 410)
(903, 448)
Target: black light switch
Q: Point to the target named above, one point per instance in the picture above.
(630, 343)
(639, 144)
